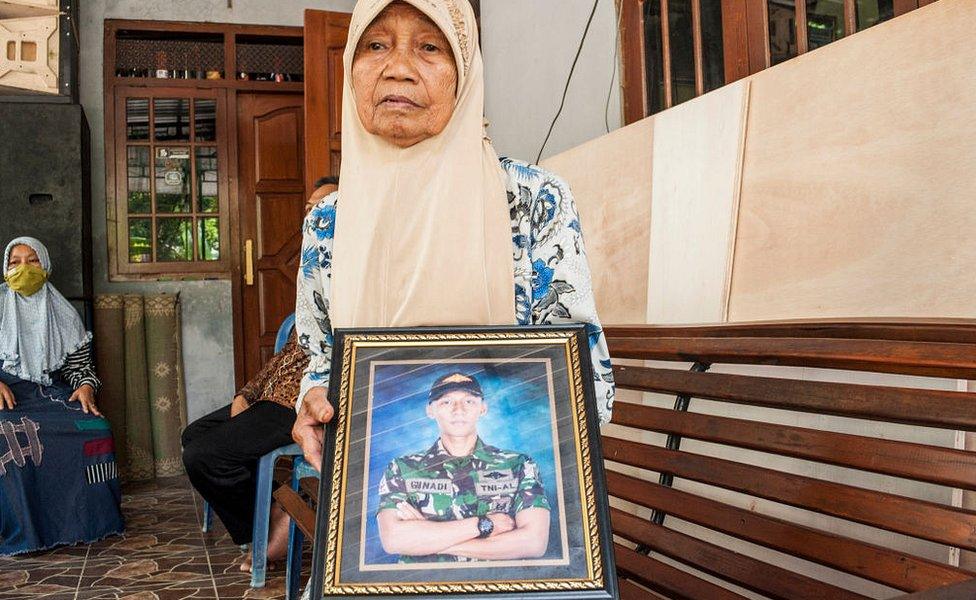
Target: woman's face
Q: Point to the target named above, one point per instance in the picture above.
(404, 76)
(22, 254)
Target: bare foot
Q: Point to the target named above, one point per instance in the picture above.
(278, 535)
(277, 542)
(246, 563)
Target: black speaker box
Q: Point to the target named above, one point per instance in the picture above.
(45, 188)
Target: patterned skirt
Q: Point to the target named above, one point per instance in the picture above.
(58, 478)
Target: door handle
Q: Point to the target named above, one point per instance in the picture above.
(249, 262)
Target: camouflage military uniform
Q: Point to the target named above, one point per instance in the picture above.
(449, 488)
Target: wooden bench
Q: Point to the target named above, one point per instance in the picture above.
(698, 500)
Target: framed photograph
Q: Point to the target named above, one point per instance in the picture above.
(463, 462)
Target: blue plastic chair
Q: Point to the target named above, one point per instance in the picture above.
(262, 503)
(301, 469)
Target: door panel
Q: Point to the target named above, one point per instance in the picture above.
(336, 77)
(278, 156)
(271, 148)
(277, 212)
(325, 42)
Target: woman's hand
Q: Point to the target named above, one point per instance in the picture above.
(86, 395)
(238, 406)
(6, 397)
(307, 431)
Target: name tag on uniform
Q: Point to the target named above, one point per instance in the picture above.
(429, 486)
(492, 483)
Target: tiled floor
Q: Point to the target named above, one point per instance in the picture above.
(163, 556)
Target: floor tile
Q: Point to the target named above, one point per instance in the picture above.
(162, 556)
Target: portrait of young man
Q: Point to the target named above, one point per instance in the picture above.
(462, 499)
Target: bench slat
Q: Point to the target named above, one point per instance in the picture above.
(960, 331)
(896, 569)
(930, 408)
(297, 509)
(932, 359)
(958, 591)
(946, 466)
(631, 591)
(668, 580)
(733, 567)
(917, 518)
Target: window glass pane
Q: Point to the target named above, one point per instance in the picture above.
(174, 240)
(713, 55)
(682, 51)
(173, 179)
(872, 12)
(825, 22)
(654, 56)
(140, 240)
(205, 120)
(209, 238)
(782, 30)
(171, 119)
(137, 119)
(140, 196)
(207, 179)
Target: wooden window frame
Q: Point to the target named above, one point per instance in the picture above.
(121, 143)
(225, 91)
(745, 35)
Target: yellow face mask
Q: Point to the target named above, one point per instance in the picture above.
(26, 279)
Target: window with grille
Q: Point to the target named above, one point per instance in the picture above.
(171, 93)
(171, 200)
(676, 50)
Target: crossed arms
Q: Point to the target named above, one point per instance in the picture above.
(404, 530)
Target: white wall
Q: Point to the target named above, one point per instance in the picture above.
(528, 48)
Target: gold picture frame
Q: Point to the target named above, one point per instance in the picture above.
(533, 391)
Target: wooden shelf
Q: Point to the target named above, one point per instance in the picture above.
(143, 47)
(237, 84)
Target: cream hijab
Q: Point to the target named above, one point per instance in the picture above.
(423, 235)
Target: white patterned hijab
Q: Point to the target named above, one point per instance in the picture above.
(37, 332)
(424, 236)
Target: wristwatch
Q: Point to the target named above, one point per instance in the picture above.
(485, 527)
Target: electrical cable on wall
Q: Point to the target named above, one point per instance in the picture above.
(613, 73)
(569, 79)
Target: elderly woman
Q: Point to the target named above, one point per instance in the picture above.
(58, 478)
(429, 226)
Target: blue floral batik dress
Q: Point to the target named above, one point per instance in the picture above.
(552, 277)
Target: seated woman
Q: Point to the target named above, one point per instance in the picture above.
(58, 478)
(221, 450)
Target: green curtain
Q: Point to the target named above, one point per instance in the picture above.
(140, 364)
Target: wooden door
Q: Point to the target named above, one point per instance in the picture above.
(271, 169)
(325, 42)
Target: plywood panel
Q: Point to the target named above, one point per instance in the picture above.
(697, 150)
(17, 9)
(29, 51)
(610, 178)
(858, 185)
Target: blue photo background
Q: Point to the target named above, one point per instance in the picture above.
(519, 419)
